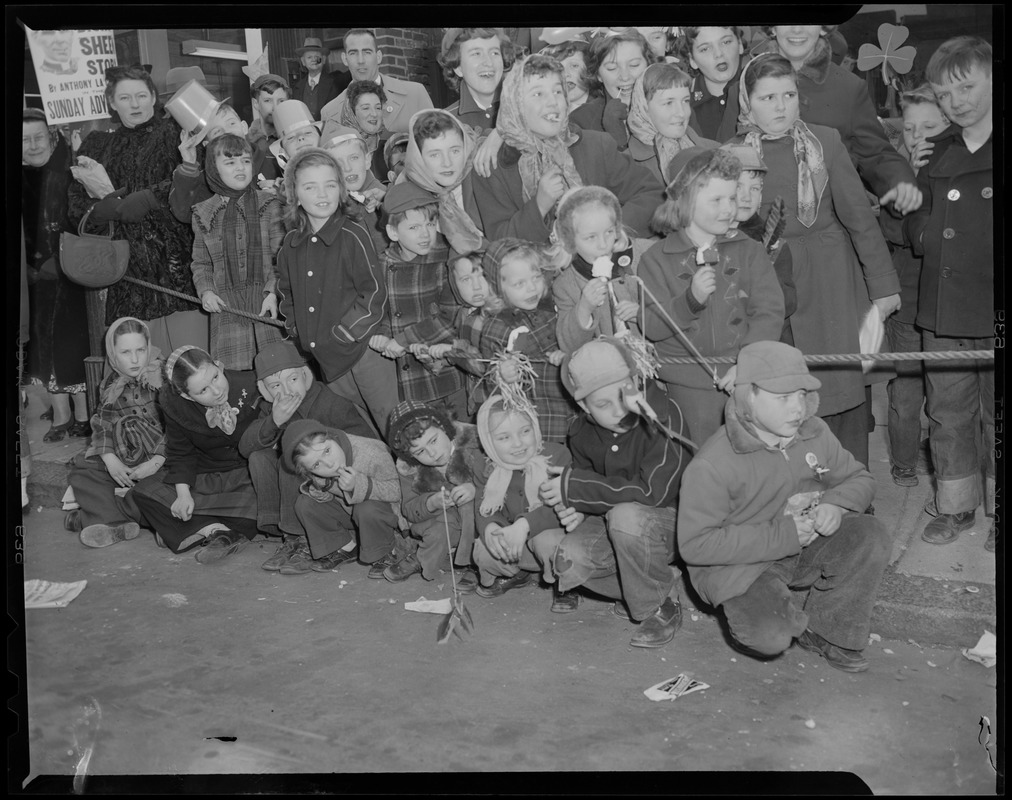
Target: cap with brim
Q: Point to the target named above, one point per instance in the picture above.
(775, 367)
(404, 196)
(193, 107)
(680, 159)
(269, 77)
(391, 143)
(598, 363)
(276, 357)
(747, 155)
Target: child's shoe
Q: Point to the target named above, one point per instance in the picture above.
(403, 569)
(564, 602)
(223, 542)
(904, 477)
(377, 568)
(502, 585)
(289, 545)
(466, 579)
(105, 535)
(659, 629)
(300, 562)
(331, 562)
(945, 528)
(72, 521)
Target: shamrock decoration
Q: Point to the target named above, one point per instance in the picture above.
(895, 60)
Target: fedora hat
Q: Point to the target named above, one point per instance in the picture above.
(177, 77)
(311, 43)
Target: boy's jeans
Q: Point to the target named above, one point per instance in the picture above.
(623, 555)
(842, 571)
(906, 395)
(535, 556)
(960, 408)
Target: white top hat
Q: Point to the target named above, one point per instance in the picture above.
(193, 107)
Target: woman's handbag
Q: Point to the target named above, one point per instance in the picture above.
(91, 260)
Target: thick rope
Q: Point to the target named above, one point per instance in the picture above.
(265, 320)
(838, 358)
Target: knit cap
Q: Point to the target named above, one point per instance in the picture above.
(276, 357)
(775, 367)
(406, 412)
(598, 363)
(301, 428)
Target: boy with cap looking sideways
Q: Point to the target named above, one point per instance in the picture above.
(772, 503)
(289, 393)
(267, 91)
(617, 500)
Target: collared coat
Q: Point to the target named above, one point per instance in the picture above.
(404, 98)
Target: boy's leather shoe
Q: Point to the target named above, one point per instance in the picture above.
(502, 585)
(105, 535)
(659, 629)
(564, 602)
(839, 657)
(403, 569)
(222, 543)
(945, 528)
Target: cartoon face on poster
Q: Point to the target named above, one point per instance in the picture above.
(70, 67)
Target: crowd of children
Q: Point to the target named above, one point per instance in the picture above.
(514, 310)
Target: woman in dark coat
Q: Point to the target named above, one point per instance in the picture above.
(124, 177)
(58, 343)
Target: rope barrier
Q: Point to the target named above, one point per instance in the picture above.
(265, 320)
(838, 358)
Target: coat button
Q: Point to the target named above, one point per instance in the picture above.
(987, 192)
(953, 194)
(311, 309)
(946, 273)
(309, 274)
(312, 344)
(948, 233)
(314, 239)
(614, 448)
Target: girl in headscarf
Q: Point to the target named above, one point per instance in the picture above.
(544, 155)
(237, 235)
(841, 261)
(127, 440)
(205, 495)
(516, 534)
(659, 113)
(439, 160)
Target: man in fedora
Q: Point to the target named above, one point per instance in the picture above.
(316, 88)
(362, 57)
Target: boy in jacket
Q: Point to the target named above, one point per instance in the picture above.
(772, 503)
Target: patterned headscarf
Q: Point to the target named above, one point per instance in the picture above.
(454, 222)
(535, 471)
(812, 173)
(349, 119)
(150, 376)
(537, 154)
(642, 126)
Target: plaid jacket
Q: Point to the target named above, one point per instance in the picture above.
(552, 402)
(136, 401)
(415, 290)
(235, 340)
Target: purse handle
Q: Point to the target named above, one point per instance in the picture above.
(84, 222)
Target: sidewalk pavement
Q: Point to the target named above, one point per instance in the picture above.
(931, 595)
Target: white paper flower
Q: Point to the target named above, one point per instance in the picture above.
(602, 267)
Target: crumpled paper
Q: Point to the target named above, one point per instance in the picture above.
(47, 594)
(430, 606)
(985, 651)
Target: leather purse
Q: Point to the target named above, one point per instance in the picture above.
(92, 260)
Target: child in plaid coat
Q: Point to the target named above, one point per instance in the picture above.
(527, 325)
(237, 235)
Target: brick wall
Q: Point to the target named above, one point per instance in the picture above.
(407, 52)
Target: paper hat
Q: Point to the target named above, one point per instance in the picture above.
(193, 107)
(291, 116)
(334, 133)
(177, 77)
(311, 43)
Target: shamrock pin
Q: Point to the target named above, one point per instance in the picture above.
(817, 468)
(895, 60)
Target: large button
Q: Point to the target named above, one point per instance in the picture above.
(309, 274)
(946, 273)
(614, 448)
(312, 344)
(948, 233)
(390, 109)
(314, 239)
(311, 309)
(987, 192)
(953, 194)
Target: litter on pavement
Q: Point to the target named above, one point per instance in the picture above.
(985, 651)
(673, 688)
(47, 594)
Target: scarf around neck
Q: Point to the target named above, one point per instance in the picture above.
(812, 173)
(642, 127)
(537, 154)
(230, 224)
(454, 222)
(535, 471)
(151, 375)
(349, 120)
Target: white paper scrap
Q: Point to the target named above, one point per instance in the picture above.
(673, 688)
(46, 594)
(985, 651)
(430, 606)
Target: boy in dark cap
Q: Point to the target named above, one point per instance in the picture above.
(289, 393)
(267, 91)
(772, 504)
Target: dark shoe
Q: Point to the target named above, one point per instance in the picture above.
(403, 569)
(299, 562)
(838, 657)
(284, 552)
(46, 415)
(80, 429)
(904, 477)
(72, 521)
(991, 536)
(502, 585)
(377, 568)
(105, 535)
(620, 611)
(57, 433)
(221, 543)
(564, 602)
(658, 630)
(159, 541)
(945, 528)
(467, 580)
(331, 562)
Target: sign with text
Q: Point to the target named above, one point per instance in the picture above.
(70, 67)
